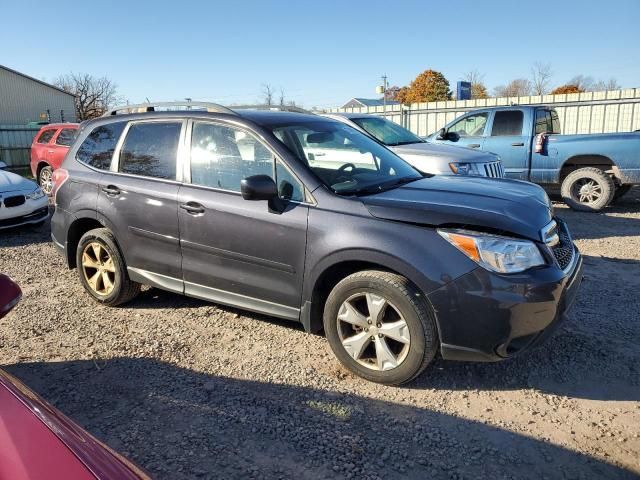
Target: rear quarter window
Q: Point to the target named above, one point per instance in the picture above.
(97, 149)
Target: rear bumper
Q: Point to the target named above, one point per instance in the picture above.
(488, 317)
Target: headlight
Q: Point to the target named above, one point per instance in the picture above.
(35, 195)
(494, 252)
(460, 168)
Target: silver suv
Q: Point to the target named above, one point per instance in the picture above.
(425, 156)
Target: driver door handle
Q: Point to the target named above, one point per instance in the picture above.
(517, 144)
(192, 207)
(474, 145)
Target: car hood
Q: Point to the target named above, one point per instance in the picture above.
(445, 152)
(512, 206)
(11, 182)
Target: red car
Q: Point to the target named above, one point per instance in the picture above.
(48, 150)
(39, 442)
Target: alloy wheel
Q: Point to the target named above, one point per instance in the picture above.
(373, 331)
(98, 269)
(587, 190)
(46, 180)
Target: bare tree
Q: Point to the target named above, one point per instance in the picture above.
(282, 97)
(93, 95)
(476, 79)
(582, 82)
(267, 94)
(611, 84)
(515, 88)
(541, 74)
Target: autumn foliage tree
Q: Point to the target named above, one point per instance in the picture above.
(568, 88)
(429, 86)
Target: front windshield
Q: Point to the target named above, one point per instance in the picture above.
(345, 159)
(389, 133)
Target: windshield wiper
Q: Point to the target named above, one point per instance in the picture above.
(397, 144)
(380, 187)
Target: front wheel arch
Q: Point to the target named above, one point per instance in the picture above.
(331, 270)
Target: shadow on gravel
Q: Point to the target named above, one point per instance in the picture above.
(25, 235)
(156, 298)
(179, 424)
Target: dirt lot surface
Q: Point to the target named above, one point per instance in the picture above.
(189, 389)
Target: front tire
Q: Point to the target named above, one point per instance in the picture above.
(380, 326)
(588, 189)
(45, 179)
(102, 270)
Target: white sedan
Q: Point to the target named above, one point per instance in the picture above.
(22, 201)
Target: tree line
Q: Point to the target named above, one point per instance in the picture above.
(95, 95)
(432, 86)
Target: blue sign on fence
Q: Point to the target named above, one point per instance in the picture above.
(463, 91)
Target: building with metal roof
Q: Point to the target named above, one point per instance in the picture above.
(24, 99)
(367, 102)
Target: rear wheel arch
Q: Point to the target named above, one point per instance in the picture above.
(576, 162)
(40, 166)
(76, 230)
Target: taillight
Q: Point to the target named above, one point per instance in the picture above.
(541, 139)
(59, 177)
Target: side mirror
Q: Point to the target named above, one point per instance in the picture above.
(258, 187)
(3, 166)
(442, 134)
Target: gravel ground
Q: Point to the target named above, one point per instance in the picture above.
(190, 389)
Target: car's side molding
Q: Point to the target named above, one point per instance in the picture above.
(215, 295)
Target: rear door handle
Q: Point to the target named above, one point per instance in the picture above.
(192, 207)
(474, 145)
(50, 151)
(517, 144)
(111, 190)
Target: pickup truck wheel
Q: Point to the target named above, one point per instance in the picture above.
(102, 270)
(380, 327)
(621, 191)
(588, 189)
(45, 178)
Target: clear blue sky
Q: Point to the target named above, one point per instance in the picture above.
(320, 52)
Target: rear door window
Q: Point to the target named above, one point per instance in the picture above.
(150, 150)
(97, 149)
(46, 136)
(507, 123)
(66, 136)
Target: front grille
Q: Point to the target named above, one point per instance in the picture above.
(564, 250)
(14, 201)
(493, 170)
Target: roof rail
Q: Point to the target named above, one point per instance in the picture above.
(275, 108)
(151, 107)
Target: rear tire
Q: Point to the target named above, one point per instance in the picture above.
(380, 326)
(102, 270)
(588, 189)
(45, 177)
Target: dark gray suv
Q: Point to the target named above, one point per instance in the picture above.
(306, 218)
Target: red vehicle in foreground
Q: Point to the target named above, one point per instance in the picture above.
(39, 442)
(48, 150)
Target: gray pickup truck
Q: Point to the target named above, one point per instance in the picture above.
(591, 170)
